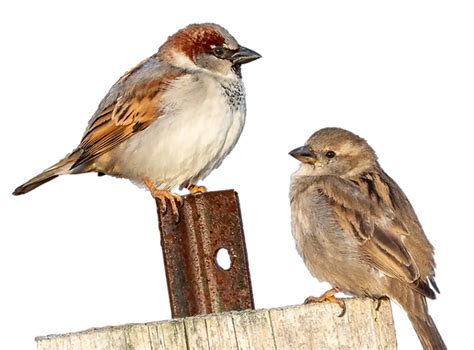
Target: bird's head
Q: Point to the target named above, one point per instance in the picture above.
(208, 47)
(335, 151)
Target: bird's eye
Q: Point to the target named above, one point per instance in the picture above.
(330, 154)
(218, 51)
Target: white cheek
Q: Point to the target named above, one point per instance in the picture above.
(179, 59)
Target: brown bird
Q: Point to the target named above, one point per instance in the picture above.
(355, 228)
(169, 121)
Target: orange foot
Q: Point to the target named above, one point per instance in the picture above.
(328, 296)
(162, 196)
(194, 189)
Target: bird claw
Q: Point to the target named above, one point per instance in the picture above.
(379, 302)
(162, 196)
(194, 189)
(328, 296)
(173, 199)
(178, 199)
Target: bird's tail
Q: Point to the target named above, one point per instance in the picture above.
(416, 307)
(427, 332)
(60, 168)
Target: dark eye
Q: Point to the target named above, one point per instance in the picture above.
(218, 51)
(330, 154)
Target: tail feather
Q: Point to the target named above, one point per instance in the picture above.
(60, 168)
(416, 307)
(427, 332)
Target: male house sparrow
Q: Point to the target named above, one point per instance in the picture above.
(170, 120)
(355, 228)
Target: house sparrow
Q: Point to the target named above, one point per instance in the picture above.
(355, 228)
(170, 120)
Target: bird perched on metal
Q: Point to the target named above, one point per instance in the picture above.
(170, 120)
(355, 228)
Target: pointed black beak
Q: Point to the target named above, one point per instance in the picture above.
(244, 55)
(303, 154)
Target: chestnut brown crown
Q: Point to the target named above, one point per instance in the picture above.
(206, 46)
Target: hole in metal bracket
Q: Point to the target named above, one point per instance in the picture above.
(222, 259)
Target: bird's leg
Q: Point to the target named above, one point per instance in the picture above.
(194, 189)
(162, 196)
(328, 296)
(379, 302)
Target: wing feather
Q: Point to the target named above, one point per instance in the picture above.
(364, 209)
(132, 110)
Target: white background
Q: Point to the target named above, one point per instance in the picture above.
(84, 251)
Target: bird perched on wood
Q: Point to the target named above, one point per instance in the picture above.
(170, 120)
(355, 228)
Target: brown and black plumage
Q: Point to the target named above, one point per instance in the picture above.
(356, 229)
(169, 121)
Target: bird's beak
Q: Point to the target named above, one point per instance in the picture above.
(303, 154)
(244, 55)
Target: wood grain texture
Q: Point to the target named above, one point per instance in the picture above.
(315, 326)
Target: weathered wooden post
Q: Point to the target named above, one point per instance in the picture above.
(222, 298)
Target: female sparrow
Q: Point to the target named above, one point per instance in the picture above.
(355, 228)
(170, 120)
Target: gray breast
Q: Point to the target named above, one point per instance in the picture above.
(329, 253)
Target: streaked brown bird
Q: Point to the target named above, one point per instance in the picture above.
(355, 228)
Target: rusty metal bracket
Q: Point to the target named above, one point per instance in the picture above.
(197, 284)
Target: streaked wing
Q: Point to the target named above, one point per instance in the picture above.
(133, 108)
(363, 208)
